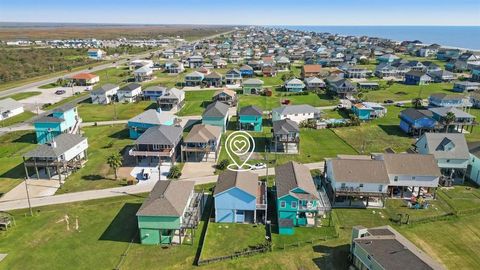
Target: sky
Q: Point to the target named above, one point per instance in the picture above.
(245, 12)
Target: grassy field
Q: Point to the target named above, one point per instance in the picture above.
(378, 134)
(13, 146)
(103, 141)
(196, 102)
(398, 206)
(461, 197)
(268, 103)
(99, 112)
(401, 92)
(218, 240)
(16, 119)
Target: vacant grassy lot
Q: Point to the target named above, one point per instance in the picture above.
(196, 102)
(24, 95)
(16, 119)
(118, 111)
(13, 146)
(378, 134)
(402, 92)
(224, 239)
(461, 197)
(103, 141)
(398, 206)
(269, 103)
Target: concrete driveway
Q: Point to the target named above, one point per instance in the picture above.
(36, 189)
(197, 169)
(153, 172)
(48, 96)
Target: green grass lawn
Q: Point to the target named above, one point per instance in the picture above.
(377, 135)
(17, 119)
(196, 102)
(23, 95)
(461, 197)
(224, 239)
(103, 141)
(116, 75)
(398, 206)
(13, 146)
(399, 91)
(100, 112)
(268, 103)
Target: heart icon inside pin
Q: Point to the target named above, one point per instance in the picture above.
(239, 145)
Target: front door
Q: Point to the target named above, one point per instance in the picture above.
(239, 216)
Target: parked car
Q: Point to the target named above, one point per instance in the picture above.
(89, 88)
(399, 104)
(388, 101)
(259, 166)
(60, 92)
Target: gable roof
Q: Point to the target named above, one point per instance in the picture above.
(416, 114)
(84, 76)
(443, 111)
(296, 109)
(216, 109)
(293, 175)
(285, 126)
(167, 198)
(105, 88)
(411, 164)
(203, 133)
(312, 68)
(63, 142)
(166, 135)
(130, 87)
(253, 81)
(437, 141)
(244, 180)
(250, 110)
(225, 91)
(359, 170)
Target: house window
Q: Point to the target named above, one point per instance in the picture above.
(448, 160)
(361, 185)
(368, 256)
(380, 187)
(343, 185)
(395, 179)
(293, 204)
(413, 177)
(283, 204)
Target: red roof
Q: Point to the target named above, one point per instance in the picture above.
(312, 68)
(84, 76)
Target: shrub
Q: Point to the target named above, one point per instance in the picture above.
(222, 165)
(174, 172)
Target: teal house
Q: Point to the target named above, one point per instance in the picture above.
(149, 118)
(298, 201)
(250, 118)
(64, 119)
(252, 86)
(169, 211)
(473, 168)
(216, 114)
(368, 110)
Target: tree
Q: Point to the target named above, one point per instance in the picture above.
(449, 119)
(174, 172)
(222, 165)
(115, 162)
(417, 102)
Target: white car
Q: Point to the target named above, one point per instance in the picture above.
(259, 166)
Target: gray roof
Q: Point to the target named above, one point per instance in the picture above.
(393, 251)
(250, 110)
(285, 126)
(293, 175)
(296, 109)
(167, 198)
(152, 117)
(444, 96)
(48, 119)
(442, 111)
(359, 170)
(252, 81)
(411, 164)
(415, 114)
(216, 109)
(213, 75)
(65, 108)
(130, 87)
(246, 181)
(105, 88)
(9, 104)
(202, 133)
(155, 88)
(172, 93)
(64, 142)
(437, 141)
(166, 135)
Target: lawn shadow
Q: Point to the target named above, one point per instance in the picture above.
(122, 134)
(205, 216)
(153, 106)
(333, 257)
(93, 177)
(18, 172)
(393, 130)
(124, 226)
(205, 103)
(190, 123)
(27, 138)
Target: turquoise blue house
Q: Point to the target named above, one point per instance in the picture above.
(473, 169)
(216, 114)
(294, 85)
(64, 119)
(368, 110)
(240, 198)
(150, 118)
(298, 201)
(250, 118)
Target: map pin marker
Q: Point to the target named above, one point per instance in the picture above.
(239, 144)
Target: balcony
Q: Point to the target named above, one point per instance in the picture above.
(168, 152)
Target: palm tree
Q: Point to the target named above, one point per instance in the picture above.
(449, 119)
(115, 161)
(417, 102)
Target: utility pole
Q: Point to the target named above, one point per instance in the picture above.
(28, 197)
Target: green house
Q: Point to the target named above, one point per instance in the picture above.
(166, 214)
(298, 201)
(252, 86)
(250, 118)
(216, 114)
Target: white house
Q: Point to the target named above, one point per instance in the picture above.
(104, 94)
(296, 113)
(142, 74)
(9, 108)
(138, 63)
(129, 93)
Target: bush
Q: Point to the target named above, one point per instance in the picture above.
(223, 164)
(174, 172)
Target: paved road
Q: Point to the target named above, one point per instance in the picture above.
(118, 191)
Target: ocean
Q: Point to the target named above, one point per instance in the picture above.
(467, 37)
